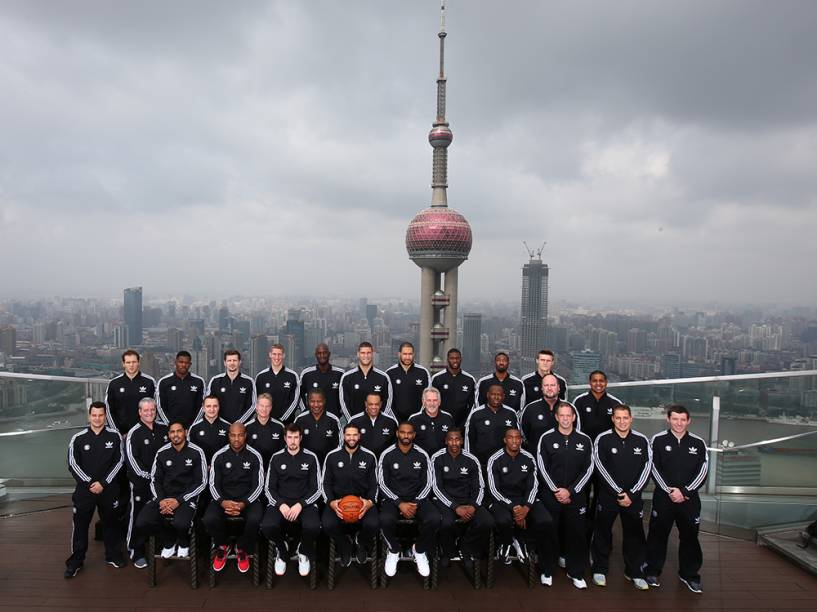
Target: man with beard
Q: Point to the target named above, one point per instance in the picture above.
(350, 470)
(456, 387)
(408, 380)
(178, 476)
(404, 476)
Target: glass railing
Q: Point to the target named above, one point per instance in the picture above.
(760, 430)
(38, 415)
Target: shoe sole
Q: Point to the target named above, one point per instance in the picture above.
(115, 564)
(69, 576)
(689, 586)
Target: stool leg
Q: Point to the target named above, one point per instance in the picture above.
(531, 562)
(382, 562)
(330, 567)
(151, 558)
(211, 573)
(489, 562)
(374, 563)
(194, 561)
(270, 562)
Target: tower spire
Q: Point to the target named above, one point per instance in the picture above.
(440, 136)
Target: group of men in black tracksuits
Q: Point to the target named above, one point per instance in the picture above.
(500, 453)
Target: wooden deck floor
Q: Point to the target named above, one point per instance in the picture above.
(737, 575)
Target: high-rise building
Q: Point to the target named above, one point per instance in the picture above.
(438, 240)
(295, 328)
(8, 340)
(584, 362)
(175, 339)
(371, 315)
(259, 346)
(133, 315)
(471, 340)
(534, 313)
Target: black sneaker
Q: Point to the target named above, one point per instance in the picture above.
(118, 563)
(692, 584)
(345, 556)
(467, 563)
(360, 552)
(71, 571)
(653, 581)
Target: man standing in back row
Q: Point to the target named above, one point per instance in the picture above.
(323, 375)
(545, 361)
(180, 393)
(514, 388)
(407, 383)
(124, 392)
(282, 384)
(456, 387)
(363, 380)
(234, 389)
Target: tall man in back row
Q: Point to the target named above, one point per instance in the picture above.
(234, 389)
(180, 393)
(362, 380)
(282, 384)
(545, 360)
(456, 387)
(679, 467)
(323, 375)
(124, 392)
(408, 380)
(514, 387)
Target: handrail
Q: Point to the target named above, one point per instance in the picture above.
(769, 442)
(101, 381)
(703, 379)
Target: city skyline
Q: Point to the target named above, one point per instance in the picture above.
(672, 143)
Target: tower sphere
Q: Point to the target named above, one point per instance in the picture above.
(439, 238)
(440, 136)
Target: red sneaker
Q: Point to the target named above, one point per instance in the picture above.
(220, 559)
(242, 561)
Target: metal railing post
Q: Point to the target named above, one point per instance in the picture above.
(714, 430)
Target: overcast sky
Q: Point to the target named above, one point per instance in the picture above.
(664, 150)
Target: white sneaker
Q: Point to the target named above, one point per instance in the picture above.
(280, 566)
(579, 583)
(562, 562)
(168, 552)
(422, 564)
(546, 580)
(390, 567)
(183, 552)
(303, 565)
(641, 584)
(600, 580)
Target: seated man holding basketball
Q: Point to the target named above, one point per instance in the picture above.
(404, 476)
(293, 487)
(350, 488)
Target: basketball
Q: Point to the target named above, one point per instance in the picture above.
(350, 507)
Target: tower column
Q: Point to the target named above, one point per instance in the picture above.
(451, 278)
(428, 282)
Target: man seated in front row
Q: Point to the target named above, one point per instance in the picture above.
(293, 489)
(404, 476)
(236, 483)
(514, 484)
(178, 476)
(350, 470)
(459, 490)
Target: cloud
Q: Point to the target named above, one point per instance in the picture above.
(662, 149)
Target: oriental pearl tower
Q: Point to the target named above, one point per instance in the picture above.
(438, 240)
